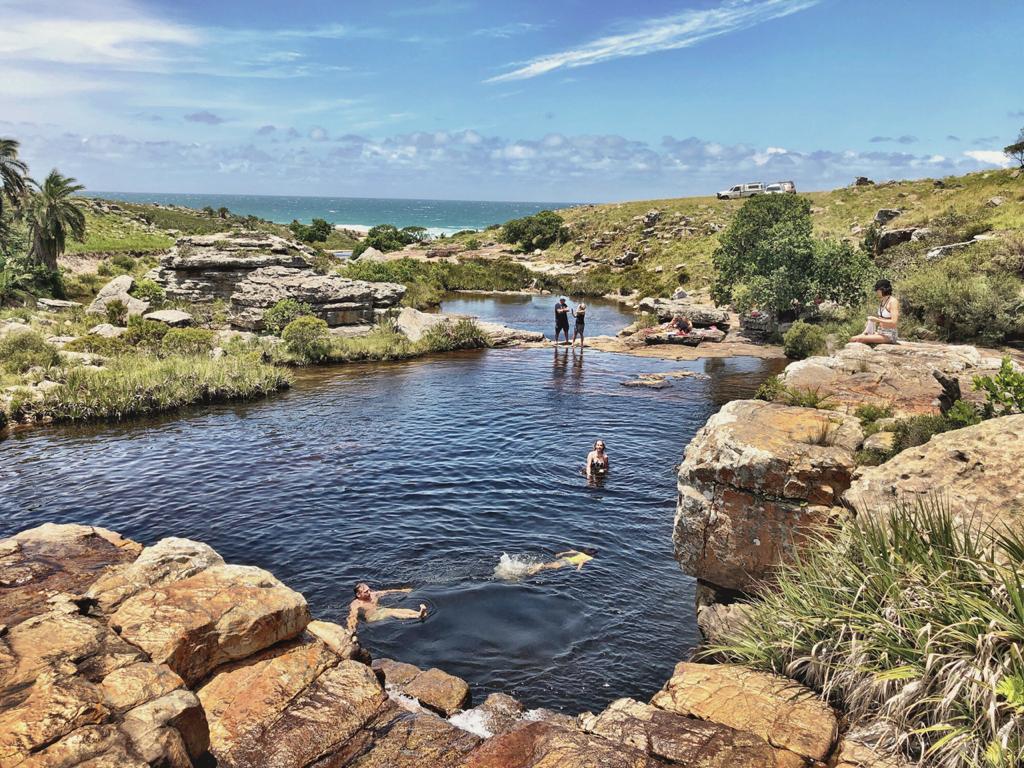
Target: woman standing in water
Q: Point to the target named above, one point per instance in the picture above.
(581, 320)
(597, 461)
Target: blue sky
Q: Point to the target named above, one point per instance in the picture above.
(524, 100)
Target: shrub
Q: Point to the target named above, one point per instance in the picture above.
(806, 398)
(118, 264)
(540, 230)
(447, 337)
(387, 237)
(186, 341)
(145, 334)
(307, 338)
(99, 345)
(281, 314)
(769, 389)
(316, 231)
(147, 290)
(472, 244)
(803, 340)
(909, 621)
(918, 430)
(21, 350)
(869, 413)
(117, 312)
(382, 343)
(1004, 392)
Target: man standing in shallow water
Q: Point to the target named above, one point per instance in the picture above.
(367, 605)
(562, 319)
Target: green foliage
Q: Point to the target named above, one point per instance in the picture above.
(21, 350)
(278, 316)
(147, 335)
(147, 290)
(963, 414)
(447, 337)
(116, 311)
(540, 230)
(54, 216)
(769, 390)
(1015, 151)
(186, 341)
(118, 264)
(803, 340)
(1004, 392)
(841, 274)
(422, 295)
(806, 398)
(869, 413)
(918, 430)
(307, 338)
(472, 244)
(387, 237)
(909, 621)
(99, 345)
(316, 231)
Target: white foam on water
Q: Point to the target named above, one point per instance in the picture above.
(512, 567)
(474, 721)
(408, 703)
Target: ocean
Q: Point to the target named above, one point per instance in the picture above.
(437, 216)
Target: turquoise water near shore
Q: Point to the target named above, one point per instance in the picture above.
(436, 215)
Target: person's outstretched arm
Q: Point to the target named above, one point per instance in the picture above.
(353, 617)
(402, 590)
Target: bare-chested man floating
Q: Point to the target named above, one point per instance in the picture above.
(367, 605)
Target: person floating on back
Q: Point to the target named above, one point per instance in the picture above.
(562, 319)
(576, 558)
(367, 605)
(580, 314)
(881, 328)
(597, 461)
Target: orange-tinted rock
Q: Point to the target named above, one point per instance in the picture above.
(341, 640)
(978, 472)
(852, 753)
(164, 727)
(433, 688)
(41, 562)
(755, 478)
(128, 687)
(221, 614)
(542, 745)
(99, 746)
(396, 673)
(782, 712)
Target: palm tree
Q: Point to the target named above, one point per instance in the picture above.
(12, 173)
(53, 214)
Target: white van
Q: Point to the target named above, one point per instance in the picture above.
(781, 188)
(742, 190)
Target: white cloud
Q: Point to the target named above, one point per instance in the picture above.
(989, 157)
(668, 33)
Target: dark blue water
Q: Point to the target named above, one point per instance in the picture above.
(425, 473)
(537, 313)
(436, 215)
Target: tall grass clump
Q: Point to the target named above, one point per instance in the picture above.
(912, 622)
(448, 337)
(141, 385)
(384, 343)
(21, 350)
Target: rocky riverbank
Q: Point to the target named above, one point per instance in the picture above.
(117, 654)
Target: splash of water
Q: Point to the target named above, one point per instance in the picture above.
(512, 567)
(474, 721)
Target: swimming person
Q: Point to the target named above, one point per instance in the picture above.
(576, 558)
(881, 328)
(580, 314)
(597, 460)
(367, 604)
(562, 319)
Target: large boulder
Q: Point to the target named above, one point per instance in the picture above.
(221, 614)
(978, 472)
(434, 689)
(413, 324)
(776, 709)
(203, 268)
(910, 377)
(172, 317)
(334, 299)
(545, 745)
(118, 289)
(887, 238)
(755, 478)
(701, 315)
(399, 739)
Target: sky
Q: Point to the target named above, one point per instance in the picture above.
(551, 100)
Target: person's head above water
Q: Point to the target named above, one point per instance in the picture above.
(362, 590)
(599, 446)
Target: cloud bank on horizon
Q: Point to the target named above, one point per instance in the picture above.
(420, 100)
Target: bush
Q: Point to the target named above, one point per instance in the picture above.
(118, 264)
(382, 343)
(447, 337)
(1004, 392)
(116, 311)
(187, 341)
(316, 231)
(806, 398)
(918, 430)
(307, 338)
(911, 623)
(869, 413)
(538, 231)
(803, 340)
(769, 389)
(387, 237)
(21, 350)
(472, 244)
(99, 345)
(147, 290)
(278, 316)
(145, 334)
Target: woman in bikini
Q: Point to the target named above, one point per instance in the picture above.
(581, 321)
(575, 558)
(881, 328)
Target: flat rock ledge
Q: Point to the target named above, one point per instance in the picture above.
(117, 655)
(413, 324)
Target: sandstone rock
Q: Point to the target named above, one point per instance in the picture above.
(755, 477)
(396, 673)
(396, 739)
(856, 750)
(977, 471)
(700, 315)
(107, 331)
(945, 250)
(439, 691)
(51, 559)
(334, 299)
(880, 441)
(221, 614)
(56, 305)
(500, 712)
(170, 559)
(885, 215)
(778, 710)
(543, 745)
(169, 725)
(910, 377)
(683, 740)
(414, 324)
(371, 254)
(340, 640)
(94, 746)
(288, 706)
(995, 202)
(887, 238)
(716, 620)
(118, 289)
(172, 317)
(131, 686)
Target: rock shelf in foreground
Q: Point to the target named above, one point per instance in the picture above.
(115, 655)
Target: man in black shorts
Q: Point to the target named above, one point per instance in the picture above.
(562, 319)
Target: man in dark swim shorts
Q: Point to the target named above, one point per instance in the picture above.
(562, 319)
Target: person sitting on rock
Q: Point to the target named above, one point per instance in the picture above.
(576, 558)
(367, 605)
(881, 328)
(681, 325)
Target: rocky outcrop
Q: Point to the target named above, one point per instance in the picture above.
(887, 238)
(977, 472)
(175, 318)
(334, 299)
(701, 315)
(909, 377)
(754, 478)
(434, 689)
(413, 324)
(118, 289)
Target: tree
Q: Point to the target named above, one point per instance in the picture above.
(13, 173)
(315, 232)
(1016, 150)
(537, 231)
(208, 210)
(53, 215)
(223, 212)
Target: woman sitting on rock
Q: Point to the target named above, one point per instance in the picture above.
(881, 328)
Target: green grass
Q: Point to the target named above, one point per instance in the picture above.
(911, 622)
(111, 233)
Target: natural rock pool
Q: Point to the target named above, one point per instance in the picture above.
(425, 473)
